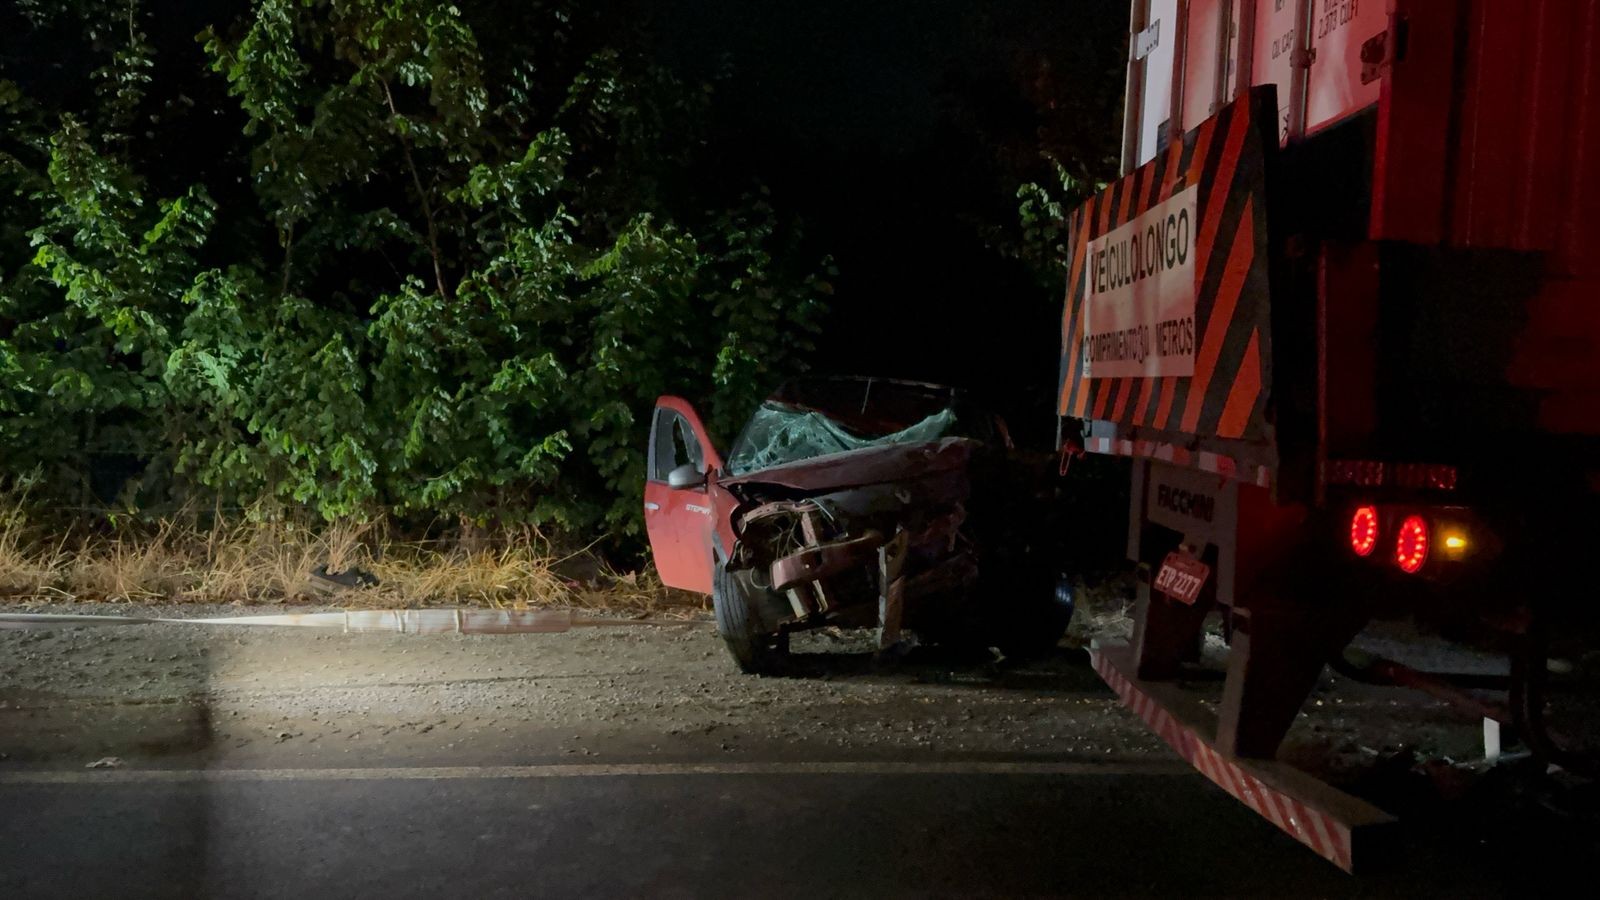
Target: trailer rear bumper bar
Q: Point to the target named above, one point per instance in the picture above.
(1342, 829)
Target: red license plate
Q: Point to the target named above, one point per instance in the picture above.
(1181, 577)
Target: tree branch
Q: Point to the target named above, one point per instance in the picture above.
(288, 257)
(422, 197)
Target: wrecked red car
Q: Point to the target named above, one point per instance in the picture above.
(854, 502)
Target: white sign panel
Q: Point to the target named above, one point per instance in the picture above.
(1276, 40)
(1139, 316)
(1156, 106)
(1339, 30)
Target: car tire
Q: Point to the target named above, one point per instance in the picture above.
(757, 650)
(1039, 610)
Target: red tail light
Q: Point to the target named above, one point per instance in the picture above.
(1364, 530)
(1411, 549)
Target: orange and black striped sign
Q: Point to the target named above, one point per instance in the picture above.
(1221, 408)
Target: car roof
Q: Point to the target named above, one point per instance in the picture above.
(867, 379)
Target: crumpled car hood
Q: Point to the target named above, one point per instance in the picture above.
(873, 465)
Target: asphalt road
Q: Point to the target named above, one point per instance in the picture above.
(1109, 831)
(267, 764)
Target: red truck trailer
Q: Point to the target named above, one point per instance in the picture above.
(1342, 309)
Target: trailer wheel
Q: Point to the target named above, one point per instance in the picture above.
(756, 648)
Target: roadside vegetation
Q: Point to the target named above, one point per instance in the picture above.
(387, 285)
(369, 259)
(190, 558)
(395, 283)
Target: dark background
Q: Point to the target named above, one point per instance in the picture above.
(899, 134)
(894, 136)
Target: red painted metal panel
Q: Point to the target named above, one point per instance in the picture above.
(1411, 165)
(1539, 200)
(1511, 90)
(1576, 246)
(679, 521)
(1490, 90)
(1347, 395)
(679, 524)
(1486, 140)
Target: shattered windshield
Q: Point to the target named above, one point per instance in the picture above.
(779, 434)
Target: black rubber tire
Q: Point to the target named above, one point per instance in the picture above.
(1036, 615)
(757, 650)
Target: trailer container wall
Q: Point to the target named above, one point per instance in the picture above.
(1488, 142)
(1489, 134)
(1346, 40)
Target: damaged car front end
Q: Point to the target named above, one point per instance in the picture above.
(860, 502)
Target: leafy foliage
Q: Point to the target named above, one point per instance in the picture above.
(460, 275)
(1042, 212)
(1044, 122)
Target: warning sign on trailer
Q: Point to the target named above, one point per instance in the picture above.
(1140, 286)
(1166, 332)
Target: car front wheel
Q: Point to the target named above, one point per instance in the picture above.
(755, 647)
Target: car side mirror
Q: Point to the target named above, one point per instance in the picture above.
(685, 476)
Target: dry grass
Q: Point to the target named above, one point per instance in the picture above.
(256, 559)
(27, 566)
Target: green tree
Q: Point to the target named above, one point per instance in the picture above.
(455, 286)
(94, 269)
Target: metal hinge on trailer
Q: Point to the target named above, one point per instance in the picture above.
(1146, 41)
(1374, 57)
(1381, 51)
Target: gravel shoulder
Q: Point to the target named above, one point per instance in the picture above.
(187, 695)
(218, 695)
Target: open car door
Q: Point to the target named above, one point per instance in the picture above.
(677, 502)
